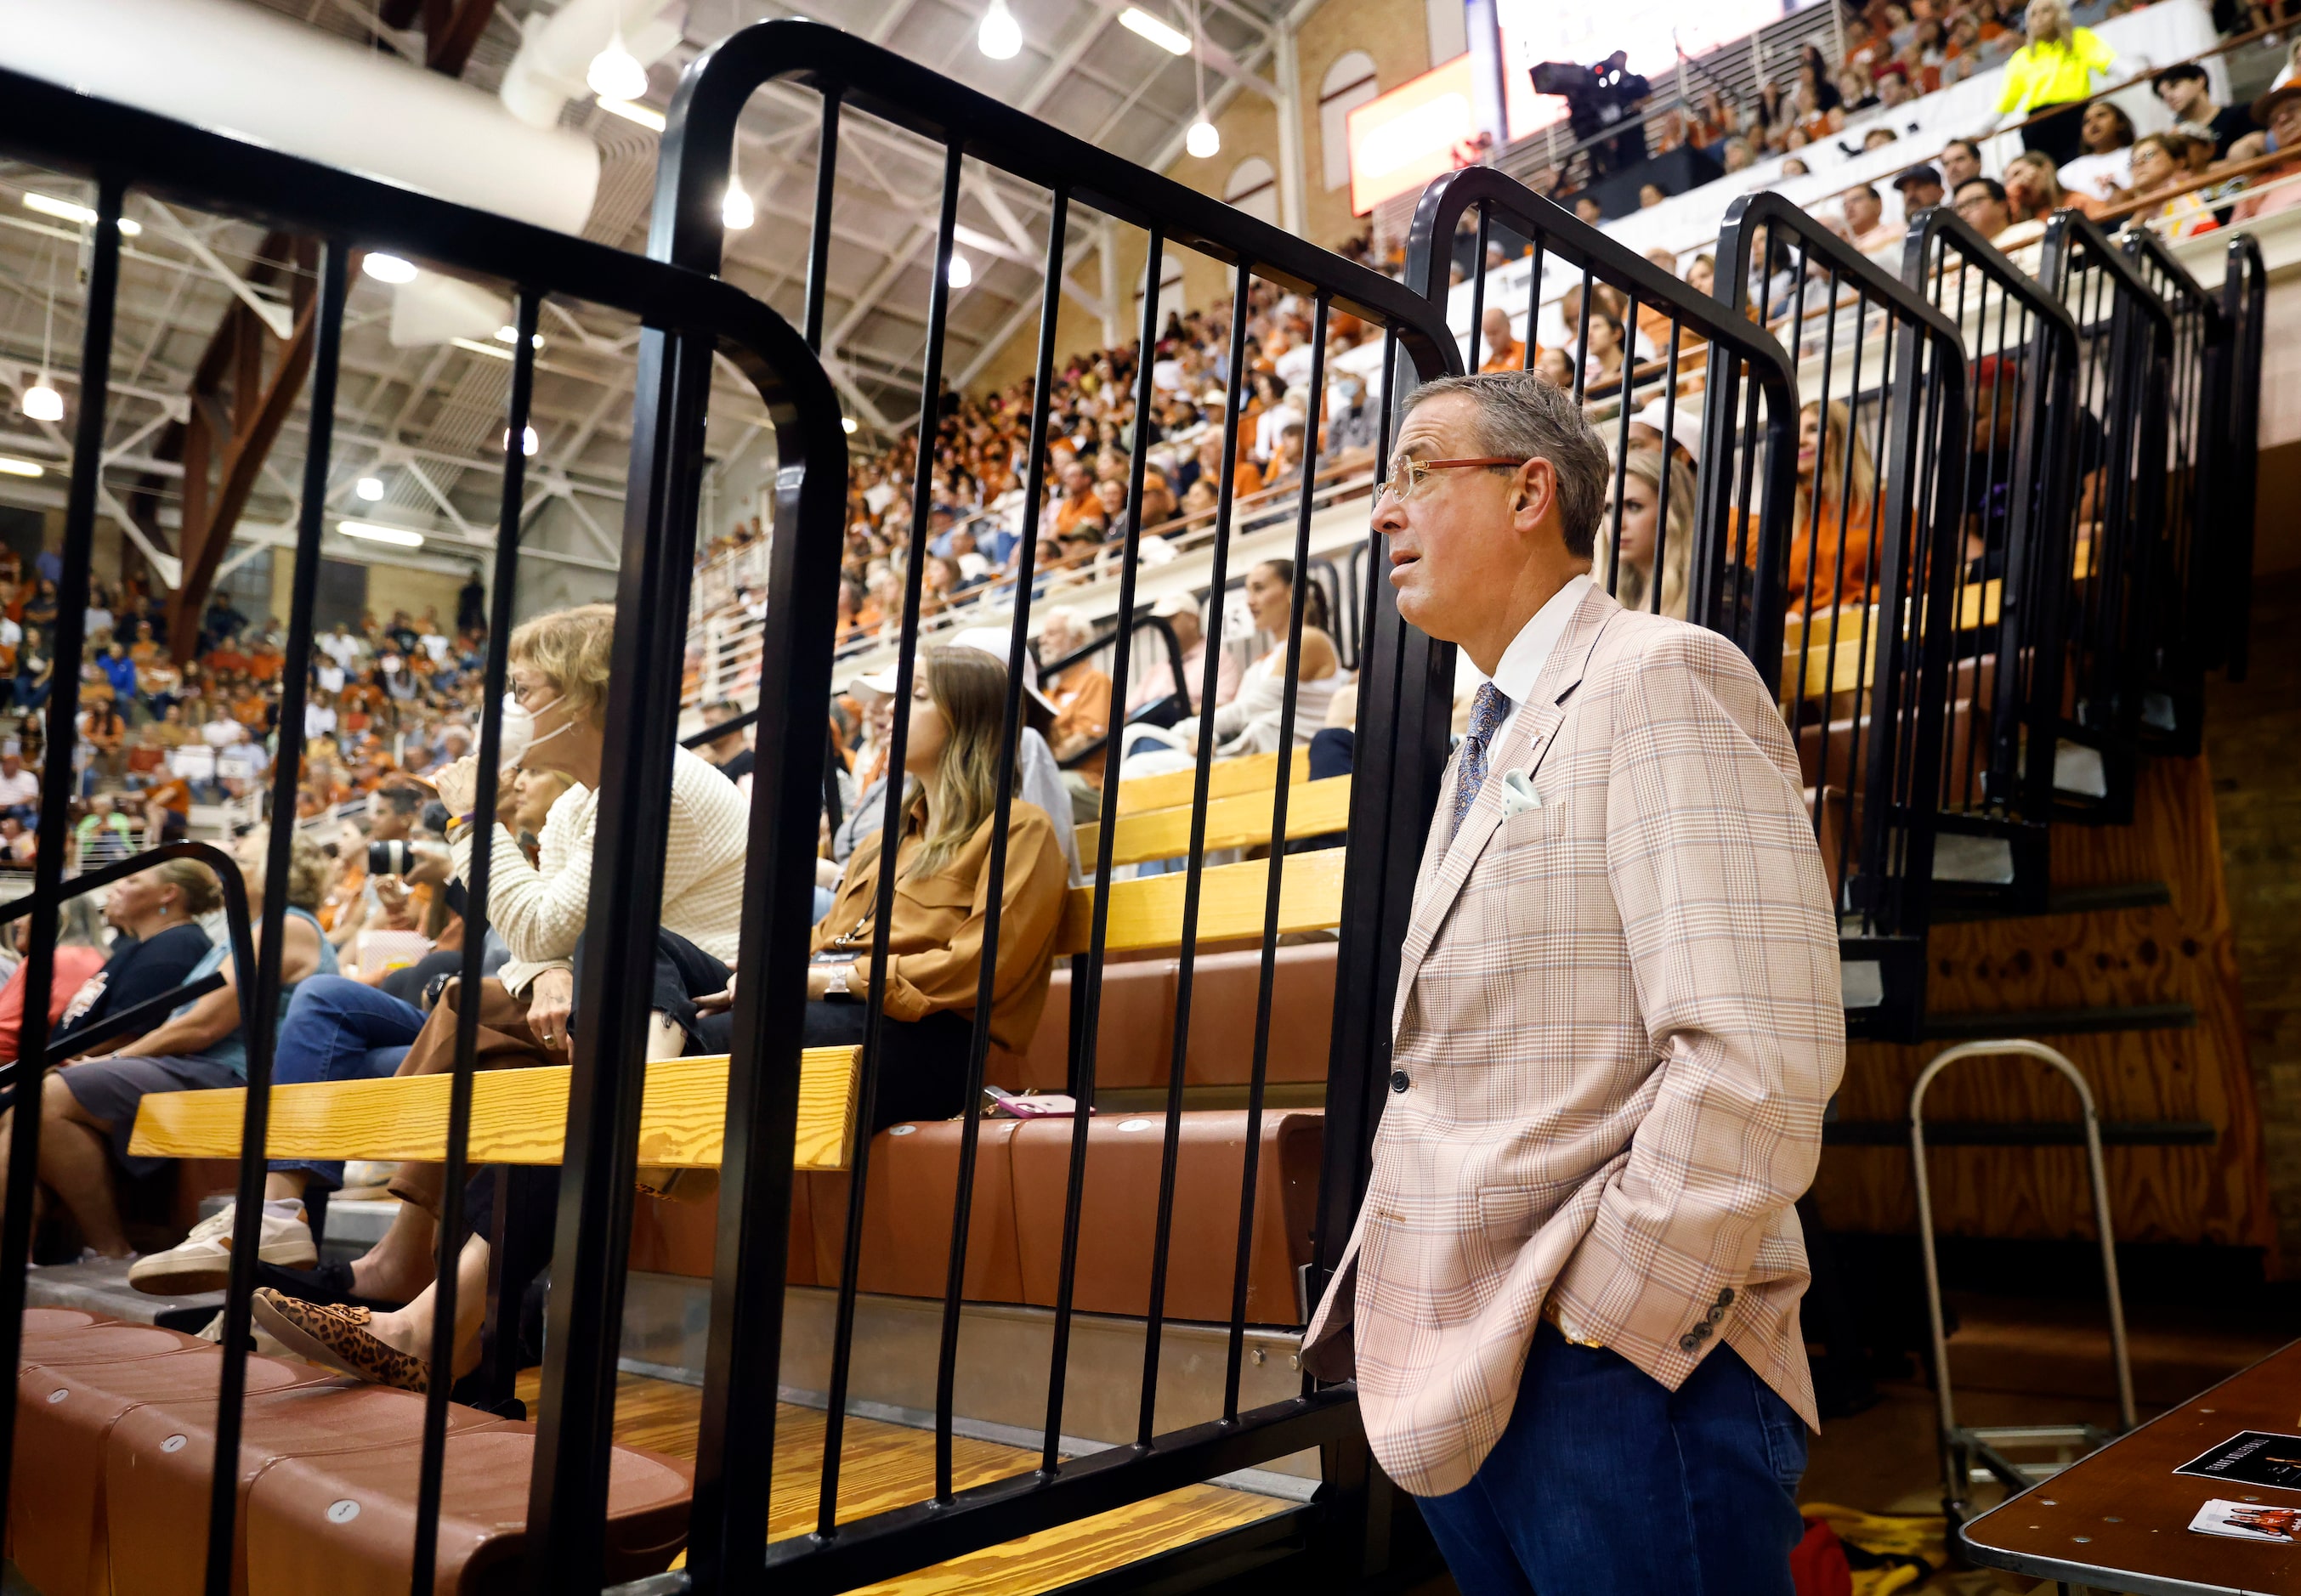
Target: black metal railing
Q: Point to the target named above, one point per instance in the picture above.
(2186, 553)
(2244, 302)
(2011, 568)
(122, 149)
(2118, 430)
(1871, 568)
(730, 1541)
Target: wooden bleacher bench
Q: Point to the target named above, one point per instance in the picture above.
(517, 1115)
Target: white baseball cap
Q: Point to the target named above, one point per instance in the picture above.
(994, 641)
(1175, 604)
(1684, 428)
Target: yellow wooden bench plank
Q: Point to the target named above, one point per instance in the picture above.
(518, 1116)
(1839, 665)
(1313, 809)
(1227, 778)
(1232, 898)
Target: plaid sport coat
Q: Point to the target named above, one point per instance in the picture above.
(1618, 1023)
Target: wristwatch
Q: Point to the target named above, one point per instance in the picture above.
(837, 981)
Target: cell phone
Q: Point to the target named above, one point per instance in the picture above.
(1052, 1105)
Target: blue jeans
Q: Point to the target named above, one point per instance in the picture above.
(338, 1029)
(1604, 1481)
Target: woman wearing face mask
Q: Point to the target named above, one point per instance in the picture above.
(556, 719)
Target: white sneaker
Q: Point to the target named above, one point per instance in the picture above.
(202, 1262)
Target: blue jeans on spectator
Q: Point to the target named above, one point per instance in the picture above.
(338, 1029)
(1604, 1481)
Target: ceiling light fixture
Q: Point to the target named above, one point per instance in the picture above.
(529, 442)
(1137, 21)
(615, 73)
(508, 334)
(399, 536)
(1203, 140)
(387, 268)
(847, 424)
(48, 206)
(647, 116)
(370, 488)
(11, 467)
(1000, 37)
(736, 211)
(962, 271)
(40, 402)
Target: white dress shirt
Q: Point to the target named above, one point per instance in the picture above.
(1520, 665)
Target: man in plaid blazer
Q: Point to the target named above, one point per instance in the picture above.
(1570, 1303)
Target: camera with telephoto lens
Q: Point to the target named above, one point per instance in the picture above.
(397, 857)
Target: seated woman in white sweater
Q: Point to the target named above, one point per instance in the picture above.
(1249, 723)
(556, 721)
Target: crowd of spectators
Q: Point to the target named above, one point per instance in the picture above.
(154, 735)
(2081, 148)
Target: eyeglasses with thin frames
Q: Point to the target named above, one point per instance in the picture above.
(1407, 475)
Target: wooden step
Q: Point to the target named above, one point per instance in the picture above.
(885, 1465)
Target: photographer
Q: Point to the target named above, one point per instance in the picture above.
(1597, 98)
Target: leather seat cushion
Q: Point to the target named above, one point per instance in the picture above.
(345, 1523)
(1118, 1213)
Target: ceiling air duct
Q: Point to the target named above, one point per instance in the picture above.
(254, 75)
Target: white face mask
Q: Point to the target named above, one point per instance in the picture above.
(519, 736)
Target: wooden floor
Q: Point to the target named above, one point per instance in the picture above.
(887, 1466)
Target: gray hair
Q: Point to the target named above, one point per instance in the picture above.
(1522, 416)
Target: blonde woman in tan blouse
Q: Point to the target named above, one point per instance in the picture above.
(935, 943)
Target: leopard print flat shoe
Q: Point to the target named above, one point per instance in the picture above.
(337, 1337)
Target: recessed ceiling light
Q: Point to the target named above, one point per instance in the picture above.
(1135, 20)
(49, 204)
(387, 268)
(397, 535)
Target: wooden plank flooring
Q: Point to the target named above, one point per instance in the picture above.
(887, 1466)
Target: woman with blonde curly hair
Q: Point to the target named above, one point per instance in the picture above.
(89, 1105)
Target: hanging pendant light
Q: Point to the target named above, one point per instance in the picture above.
(1203, 140)
(40, 402)
(1000, 37)
(615, 73)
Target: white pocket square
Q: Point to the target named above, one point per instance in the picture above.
(1519, 795)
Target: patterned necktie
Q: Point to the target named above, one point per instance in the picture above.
(1486, 712)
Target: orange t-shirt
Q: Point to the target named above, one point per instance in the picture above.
(1512, 359)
